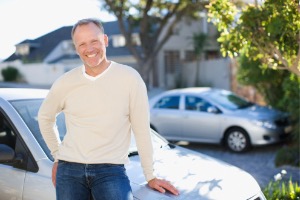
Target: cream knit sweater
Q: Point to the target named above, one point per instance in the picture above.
(99, 117)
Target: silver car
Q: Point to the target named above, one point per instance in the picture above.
(26, 163)
(213, 115)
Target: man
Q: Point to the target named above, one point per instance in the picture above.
(102, 101)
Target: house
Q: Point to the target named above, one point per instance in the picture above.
(42, 60)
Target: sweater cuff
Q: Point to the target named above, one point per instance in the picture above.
(149, 177)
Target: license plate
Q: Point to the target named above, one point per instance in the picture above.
(288, 129)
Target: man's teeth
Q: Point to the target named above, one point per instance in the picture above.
(90, 56)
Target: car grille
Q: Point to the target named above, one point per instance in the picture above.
(282, 121)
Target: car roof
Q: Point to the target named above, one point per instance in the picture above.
(193, 90)
(22, 93)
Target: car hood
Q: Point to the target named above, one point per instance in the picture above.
(261, 112)
(196, 175)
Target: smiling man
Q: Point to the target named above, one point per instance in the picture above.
(102, 101)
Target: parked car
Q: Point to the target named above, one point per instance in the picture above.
(212, 115)
(26, 162)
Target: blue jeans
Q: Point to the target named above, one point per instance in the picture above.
(87, 181)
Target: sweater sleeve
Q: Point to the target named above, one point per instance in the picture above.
(139, 118)
(48, 111)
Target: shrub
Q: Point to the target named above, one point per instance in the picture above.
(10, 74)
(280, 190)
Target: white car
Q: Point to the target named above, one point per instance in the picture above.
(212, 115)
(26, 163)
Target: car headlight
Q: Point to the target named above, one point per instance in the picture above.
(265, 123)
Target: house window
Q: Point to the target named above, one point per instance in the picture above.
(22, 49)
(172, 61)
(136, 39)
(189, 56)
(68, 46)
(209, 55)
(118, 41)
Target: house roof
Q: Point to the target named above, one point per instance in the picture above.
(41, 47)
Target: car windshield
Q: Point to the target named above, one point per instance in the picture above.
(228, 100)
(28, 110)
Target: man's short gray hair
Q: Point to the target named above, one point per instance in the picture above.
(95, 21)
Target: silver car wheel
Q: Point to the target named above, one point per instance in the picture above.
(237, 140)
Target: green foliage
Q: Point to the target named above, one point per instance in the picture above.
(10, 74)
(279, 88)
(155, 20)
(267, 39)
(279, 190)
(267, 32)
(288, 156)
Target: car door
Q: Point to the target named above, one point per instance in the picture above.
(166, 116)
(198, 123)
(11, 178)
(26, 178)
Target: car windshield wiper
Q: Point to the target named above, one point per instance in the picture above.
(133, 153)
(172, 146)
(245, 105)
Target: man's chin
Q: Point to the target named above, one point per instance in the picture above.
(91, 65)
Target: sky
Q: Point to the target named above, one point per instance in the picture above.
(30, 19)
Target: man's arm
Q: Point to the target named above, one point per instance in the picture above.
(47, 121)
(140, 121)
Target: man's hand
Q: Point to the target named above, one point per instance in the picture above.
(162, 185)
(54, 170)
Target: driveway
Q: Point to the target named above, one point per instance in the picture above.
(259, 161)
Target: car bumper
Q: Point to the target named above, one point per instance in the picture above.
(262, 136)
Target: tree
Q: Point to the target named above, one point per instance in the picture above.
(267, 40)
(199, 41)
(155, 20)
(279, 88)
(269, 32)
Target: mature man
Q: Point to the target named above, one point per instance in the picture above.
(102, 101)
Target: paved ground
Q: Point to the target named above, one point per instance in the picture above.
(259, 162)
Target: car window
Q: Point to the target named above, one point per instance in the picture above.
(11, 137)
(28, 110)
(170, 102)
(7, 135)
(229, 100)
(196, 104)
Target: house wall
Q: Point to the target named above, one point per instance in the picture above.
(36, 74)
(182, 41)
(211, 73)
(215, 73)
(46, 74)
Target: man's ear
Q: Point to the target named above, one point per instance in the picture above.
(105, 40)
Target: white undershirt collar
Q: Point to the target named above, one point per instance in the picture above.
(93, 78)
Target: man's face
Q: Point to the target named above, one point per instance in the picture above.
(90, 44)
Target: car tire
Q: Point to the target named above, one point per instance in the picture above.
(237, 140)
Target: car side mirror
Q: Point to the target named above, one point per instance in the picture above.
(212, 109)
(8, 155)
